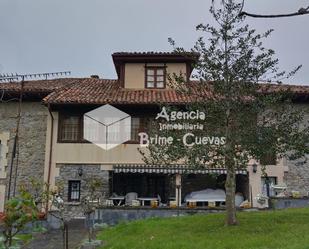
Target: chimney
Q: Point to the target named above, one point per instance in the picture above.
(94, 76)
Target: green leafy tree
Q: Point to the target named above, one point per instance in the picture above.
(40, 192)
(19, 211)
(253, 119)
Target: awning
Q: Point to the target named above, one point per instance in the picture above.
(169, 169)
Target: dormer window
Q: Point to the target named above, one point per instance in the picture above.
(155, 77)
(149, 70)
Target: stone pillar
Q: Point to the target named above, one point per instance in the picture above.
(178, 189)
(2, 197)
(255, 184)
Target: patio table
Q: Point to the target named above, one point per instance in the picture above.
(205, 200)
(146, 199)
(117, 199)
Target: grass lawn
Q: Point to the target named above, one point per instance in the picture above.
(288, 229)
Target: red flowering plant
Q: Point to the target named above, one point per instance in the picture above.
(2, 216)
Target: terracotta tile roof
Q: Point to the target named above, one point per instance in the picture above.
(37, 86)
(297, 89)
(100, 91)
(154, 53)
(187, 57)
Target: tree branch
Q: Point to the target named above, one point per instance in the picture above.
(301, 11)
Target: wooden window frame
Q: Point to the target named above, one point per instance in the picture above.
(142, 127)
(70, 182)
(155, 68)
(80, 128)
(143, 124)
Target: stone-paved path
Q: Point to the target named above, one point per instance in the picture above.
(53, 239)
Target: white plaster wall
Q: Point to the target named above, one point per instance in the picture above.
(255, 184)
(84, 153)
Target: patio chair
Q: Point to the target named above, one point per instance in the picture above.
(108, 203)
(130, 197)
(136, 203)
(159, 200)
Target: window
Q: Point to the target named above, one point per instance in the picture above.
(135, 128)
(74, 191)
(70, 128)
(266, 183)
(155, 77)
(138, 124)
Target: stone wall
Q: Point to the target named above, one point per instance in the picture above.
(281, 203)
(69, 172)
(112, 216)
(32, 139)
(297, 177)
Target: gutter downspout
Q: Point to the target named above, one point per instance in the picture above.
(50, 154)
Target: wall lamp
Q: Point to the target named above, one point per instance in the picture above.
(80, 171)
(254, 168)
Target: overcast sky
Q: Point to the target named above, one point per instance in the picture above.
(81, 35)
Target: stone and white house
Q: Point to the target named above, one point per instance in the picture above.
(52, 148)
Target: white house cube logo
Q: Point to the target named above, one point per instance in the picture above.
(107, 127)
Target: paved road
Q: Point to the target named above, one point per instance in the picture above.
(53, 239)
